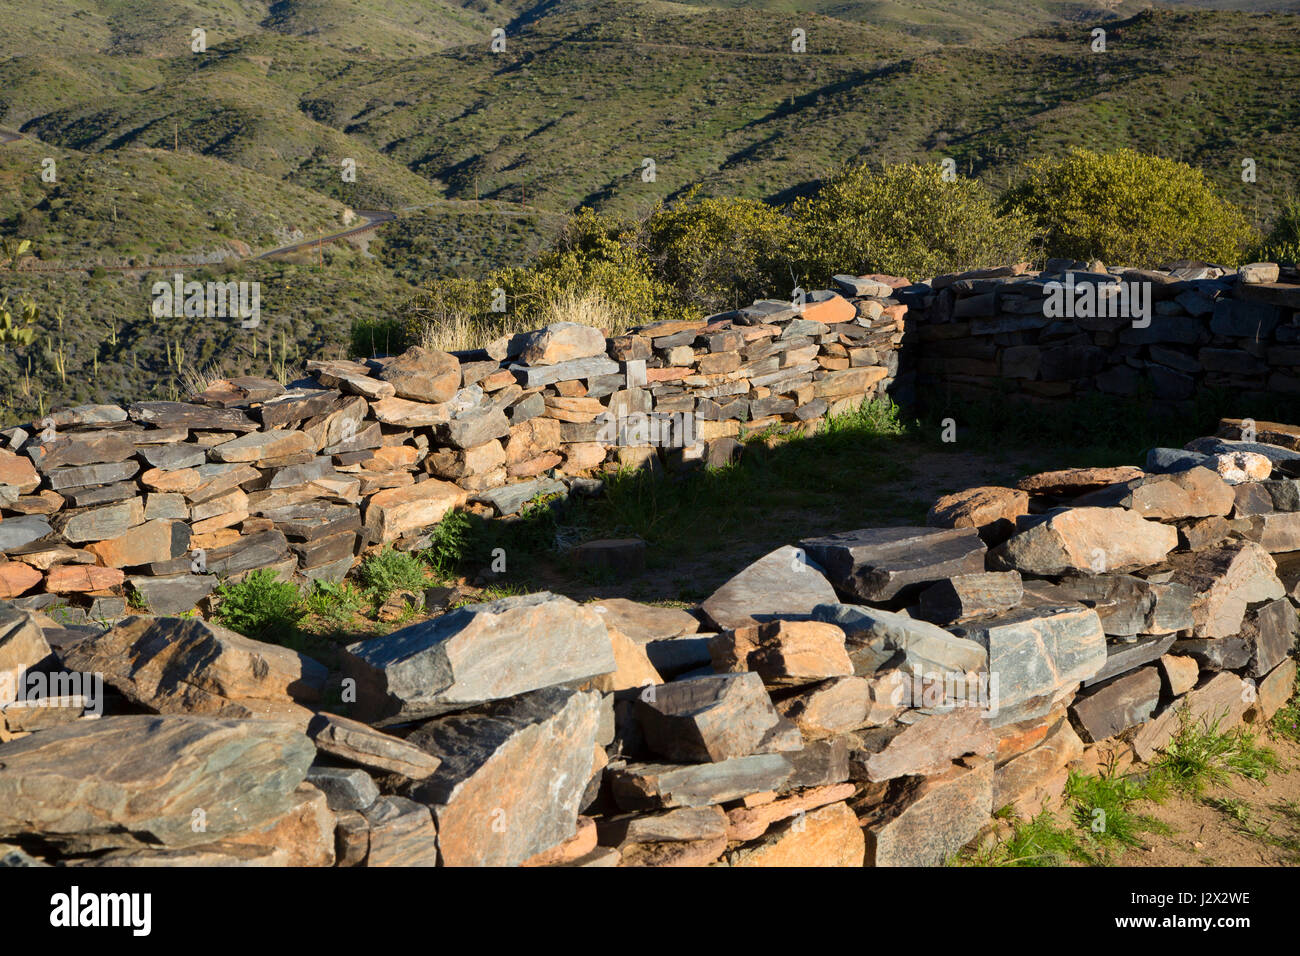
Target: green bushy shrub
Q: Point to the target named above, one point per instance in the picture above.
(904, 220)
(721, 253)
(1282, 244)
(1127, 208)
(261, 606)
(390, 570)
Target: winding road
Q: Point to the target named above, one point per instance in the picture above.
(373, 219)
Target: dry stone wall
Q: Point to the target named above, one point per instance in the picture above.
(168, 498)
(870, 697)
(864, 698)
(1078, 327)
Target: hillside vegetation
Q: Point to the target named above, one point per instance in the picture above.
(166, 155)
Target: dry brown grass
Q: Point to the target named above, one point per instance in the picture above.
(456, 331)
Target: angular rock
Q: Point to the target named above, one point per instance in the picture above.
(927, 819)
(479, 653)
(708, 719)
(152, 541)
(1223, 582)
(1037, 651)
(1122, 657)
(1270, 634)
(22, 646)
(1089, 540)
(512, 775)
(360, 744)
(891, 564)
(398, 511)
(401, 833)
(647, 786)
(423, 375)
(644, 622)
(784, 651)
(874, 636)
(1038, 776)
(990, 510)
(1076, 481)
(1116, 705)
(926, 747)
(137, 780)
(345, 788)
(828, 836)
(187, 666)
(970, 595)
(784, 583)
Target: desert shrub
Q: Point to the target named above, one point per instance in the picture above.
(1130, 209)
(261, 606)
(904, 220)
(1282, 244)
(721, 253)
(598, 268)
(389, 570)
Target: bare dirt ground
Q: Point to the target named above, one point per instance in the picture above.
(1243, 823)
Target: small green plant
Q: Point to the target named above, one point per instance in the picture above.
(1103, 809)
(451, 540)
(334, 601)
(18, 327)
(1200, 755)
(389, 570)
(261, 606)
(1286, 722)
(1042, 841)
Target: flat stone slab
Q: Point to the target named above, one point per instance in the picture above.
(784, 583)
(1122, 658)
(650, 786)
(891, 564)
(479, 653)
(1116, 705)
(363, 745)
(188, 666)
(136, 781)
(874, 636)
(1087, 540)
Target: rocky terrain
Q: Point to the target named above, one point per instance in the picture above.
(871, 697)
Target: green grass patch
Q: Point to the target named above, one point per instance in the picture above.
(261, 606)
(385, 572)
(1200, 756)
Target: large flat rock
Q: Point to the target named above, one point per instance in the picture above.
(1088, 540)
(479, 653)
(187, 666)
(149, 780)
(784, 583)
(892, 564)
